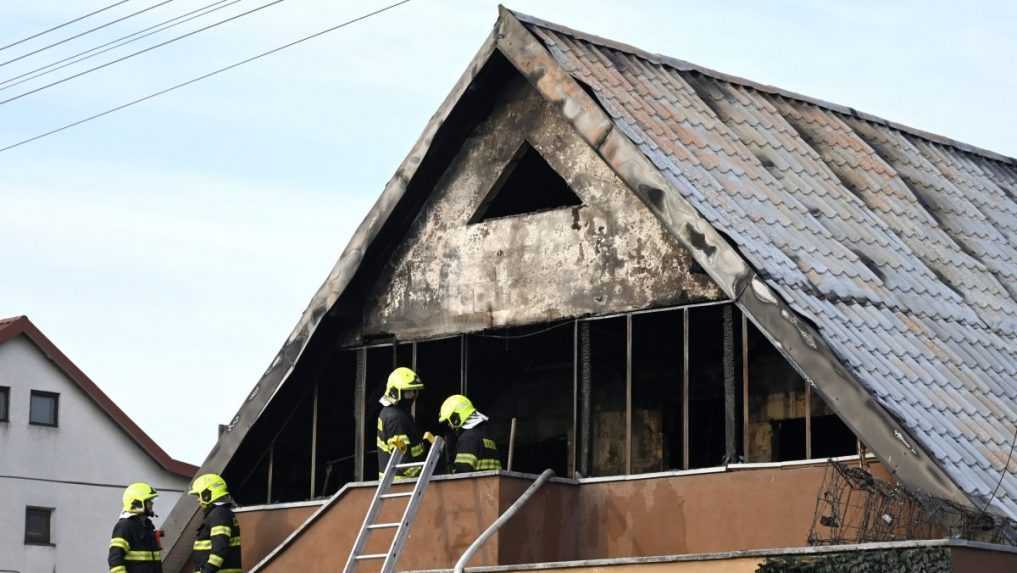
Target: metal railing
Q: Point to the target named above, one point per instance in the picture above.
(494, 527)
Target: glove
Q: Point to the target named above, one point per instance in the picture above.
(400, 442)
(429, 437)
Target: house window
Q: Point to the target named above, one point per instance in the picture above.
(44, 408)
(5, 400)
(38, 525)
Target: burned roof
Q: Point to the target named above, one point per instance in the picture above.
(900, 247)
(879, 259)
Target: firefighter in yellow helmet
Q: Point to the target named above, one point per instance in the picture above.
(217, 545)
(396, 428)
(134, 547)
(475, 449)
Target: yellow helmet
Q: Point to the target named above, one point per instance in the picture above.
(455, 410)
(136, 495)
(208, 488)
(401, 380)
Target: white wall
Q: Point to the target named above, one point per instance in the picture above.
(87, 448)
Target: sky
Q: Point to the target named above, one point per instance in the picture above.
(169, 249)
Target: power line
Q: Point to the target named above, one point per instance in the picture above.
(67, 23)
(120, 42)
(139, 52)
(203, 77)
(86, 32)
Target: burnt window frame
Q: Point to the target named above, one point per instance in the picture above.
(56, 408)
(5, 399)
(405, 352)
(29, 540)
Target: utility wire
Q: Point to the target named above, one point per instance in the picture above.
(120, 42)
(139, 52)
(67, 23)
(567, 322)
(86, 32)
(203, 77)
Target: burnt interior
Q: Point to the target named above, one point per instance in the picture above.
(590, 397)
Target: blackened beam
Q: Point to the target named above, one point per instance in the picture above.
(359, 412)
(730, 402)
(586, 388)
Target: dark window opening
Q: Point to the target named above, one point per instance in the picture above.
(788, 439)
(527, 185)
(38, 522)
(708, 410)
(606, 427)
(250, 488)
(657, 348)
(776, 404)
(831, 437)
(404, 355)
(336, 436)
(526, 373)
(5, 400)
(380, 363)
(44, 408)
(440, 367)
(291, 455)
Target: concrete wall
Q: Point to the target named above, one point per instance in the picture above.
(608, 255)
(740, 510)
(86, 448)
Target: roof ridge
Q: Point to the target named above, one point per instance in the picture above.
(686, 66)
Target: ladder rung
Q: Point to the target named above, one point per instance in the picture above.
(373, 556)
(383, 525)
(400, 494)
(411, 465)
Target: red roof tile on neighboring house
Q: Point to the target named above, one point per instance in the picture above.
(14, 326)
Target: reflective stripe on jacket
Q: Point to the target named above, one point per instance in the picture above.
(216, 548)
(395, 426)
(475, 451)
(134, 547)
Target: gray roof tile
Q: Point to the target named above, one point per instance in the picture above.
(901, 247)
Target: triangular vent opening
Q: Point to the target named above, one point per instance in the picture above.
(528, 185)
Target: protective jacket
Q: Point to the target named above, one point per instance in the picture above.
(134, 547)
(475, 451)
(217, 545)
(395, 426)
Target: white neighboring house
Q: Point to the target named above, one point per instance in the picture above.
(66, 454)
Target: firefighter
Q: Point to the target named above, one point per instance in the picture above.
(217, 545)
(474, 448)
(134, 547)
(396, 428)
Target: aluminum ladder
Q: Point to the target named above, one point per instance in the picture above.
(384, 492)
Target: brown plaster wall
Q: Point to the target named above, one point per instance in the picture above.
(610, 254)
(748, 509)
(980, 561)
(739, 510)
(736, 565)
(450, 517)
(264, 530)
